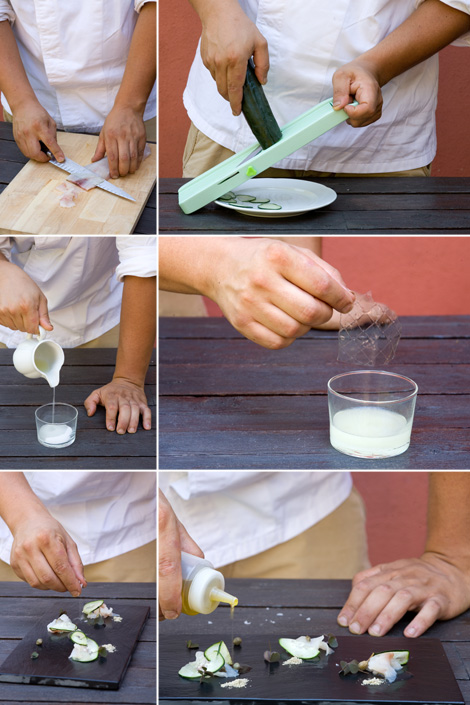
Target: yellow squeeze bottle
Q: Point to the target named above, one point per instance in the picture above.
(203, 586)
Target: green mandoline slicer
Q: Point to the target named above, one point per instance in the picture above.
(235, 170)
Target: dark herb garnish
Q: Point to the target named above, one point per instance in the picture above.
(191, 645)
(242, 668)
(271, 656)
(332, 641)
(35, 654)
(353, 667)
(103, 652)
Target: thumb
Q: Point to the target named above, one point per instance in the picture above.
(100, 150)
(92, 402)
(43, 311)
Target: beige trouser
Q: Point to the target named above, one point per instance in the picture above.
(150, 126)
(109, 339)
(335, 547)
(201, 153)
(137, 566)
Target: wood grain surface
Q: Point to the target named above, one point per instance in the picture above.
(228, 403)
(276, 608)
(94, 447)
(30, 203)
(365, 206)
(20, 606)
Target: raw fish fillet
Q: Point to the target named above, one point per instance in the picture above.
(100, 168)
(69, 191)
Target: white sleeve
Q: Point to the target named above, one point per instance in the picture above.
(137, 256)
(5, 246)
(138, 4)
(463, 6)
(6, 11)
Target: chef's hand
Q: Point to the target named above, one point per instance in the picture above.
(273, 292)
(123, 140)
(44, 555)
(32, 123)
(434, 586)
(172, 539)
(23, 306)
(358, 81)
(228, 40)
(124, 401)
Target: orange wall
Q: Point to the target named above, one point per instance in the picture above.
(396, 513)
(415, 276)
(178, 36)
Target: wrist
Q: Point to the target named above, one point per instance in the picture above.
(134, 103)
(23, 101)
(130, 376)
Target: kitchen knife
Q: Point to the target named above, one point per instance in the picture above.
(75, 169)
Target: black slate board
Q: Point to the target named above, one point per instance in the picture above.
(428, 677)
(53, 667)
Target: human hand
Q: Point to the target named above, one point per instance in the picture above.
(228, 40)
(23, 306)
(172, 539)
(433, 586)
(123, 140)
(125, 401)
(358, 81)
(273, 292)
(31, 124)
(44, 555)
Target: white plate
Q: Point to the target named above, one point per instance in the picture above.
(294, 195)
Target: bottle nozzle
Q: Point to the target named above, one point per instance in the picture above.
(218, 595)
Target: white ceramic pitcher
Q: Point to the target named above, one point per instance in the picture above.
(36, 357)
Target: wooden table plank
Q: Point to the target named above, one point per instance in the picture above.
(95, 447)
(228, 403)
(364, 205)
(12, 161)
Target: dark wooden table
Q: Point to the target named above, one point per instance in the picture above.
(400, 206)
(12, 161)
(20, 608)
(227, 403)
(318, 601)
(94, 448)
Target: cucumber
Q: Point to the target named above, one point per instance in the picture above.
(215, 664)
(227, 196)
(244, 205)
(303, 647)
(85, 652)
(92, 606)
(270, 206)
(244, 197)
(190, 671)
(79, 637)
(218, 648)
(257, 112)
(62, 624)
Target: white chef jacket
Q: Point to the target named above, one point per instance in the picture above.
(307, 42)
(106, 513)
(74, 53)
(81, 279)
(235, 515)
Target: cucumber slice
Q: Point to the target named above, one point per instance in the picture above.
(229, 196)
(303, 647)
(401, 657)
(85, 653)
(79, 637)
(61, 625)
(244, 205)
(218, 648)
(261, 200)
(92, 606)
(244, 197)
(190, 671)
(215, 664)
(270, 206)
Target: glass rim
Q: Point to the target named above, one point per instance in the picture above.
(58, 403)
(408, 397)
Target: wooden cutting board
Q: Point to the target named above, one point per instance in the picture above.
(53, 667)
(427, 678)
(30, 203)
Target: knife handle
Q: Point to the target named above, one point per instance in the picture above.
(45, 149)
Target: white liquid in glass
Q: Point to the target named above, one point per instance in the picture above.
(53, 434)
(370, 432)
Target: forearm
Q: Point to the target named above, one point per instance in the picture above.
(430, 28)
(206, 9)
(17, 499)
(137, 330)
(140, 72)
(186, 264)
(14, 83)
(448, 517)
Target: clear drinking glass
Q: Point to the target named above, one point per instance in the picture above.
(371, 413)
(56, 425)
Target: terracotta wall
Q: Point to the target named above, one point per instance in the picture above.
(178, 35)
(396, 513)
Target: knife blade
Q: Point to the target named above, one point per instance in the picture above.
(73, 168)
